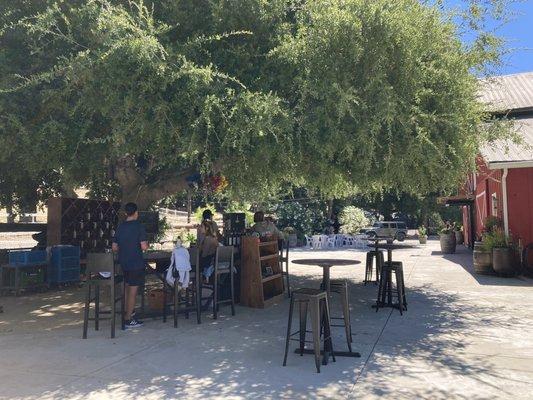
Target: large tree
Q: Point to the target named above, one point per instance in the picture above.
(131, 98)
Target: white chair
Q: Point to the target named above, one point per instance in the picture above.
(339, 240)
(349, 241)
(309, 241)
(331, 242)
(359, 241)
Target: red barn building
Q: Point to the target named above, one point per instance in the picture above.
(503, 184)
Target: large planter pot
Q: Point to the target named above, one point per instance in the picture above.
(503, 261)
(423, 239)
(293, 240)
(459, 237)
(482, 259)
(447, 243)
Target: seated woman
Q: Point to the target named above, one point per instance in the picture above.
(207, 219)
(265, 228)
(207, 246)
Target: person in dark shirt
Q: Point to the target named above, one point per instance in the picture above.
(130, 242)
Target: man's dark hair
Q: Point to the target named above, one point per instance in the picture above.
(130, 209)
(207, 214)
(259, 216)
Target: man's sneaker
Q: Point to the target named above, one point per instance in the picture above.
(133, 323)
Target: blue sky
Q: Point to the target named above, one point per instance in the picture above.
(519, 35)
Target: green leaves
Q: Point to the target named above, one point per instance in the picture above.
(338, 96)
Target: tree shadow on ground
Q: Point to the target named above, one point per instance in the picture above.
(241, 356)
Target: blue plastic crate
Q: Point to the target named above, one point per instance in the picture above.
(27, 257)
(56, 275)
(60, 252)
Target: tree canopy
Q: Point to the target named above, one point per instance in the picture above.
(131, 98)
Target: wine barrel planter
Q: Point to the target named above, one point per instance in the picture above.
(423, 239)
(447, 243)
(482, 259)
(503, 261)
(459, 237)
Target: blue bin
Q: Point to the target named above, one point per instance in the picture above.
(64, 264)
(27, 257)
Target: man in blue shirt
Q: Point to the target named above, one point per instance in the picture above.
(130, 242)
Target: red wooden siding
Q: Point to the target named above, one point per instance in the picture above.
(520, 203)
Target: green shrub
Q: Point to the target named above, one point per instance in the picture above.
(352, 219)
(306, 219)
(422, 231)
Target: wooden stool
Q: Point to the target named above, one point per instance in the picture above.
(340, 286)
(96, 263)
(385, 289)
(378, 255)
(317, 301)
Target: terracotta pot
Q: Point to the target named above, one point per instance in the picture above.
(423, 239)
(503, 261)
(482, 259)
(447, 243)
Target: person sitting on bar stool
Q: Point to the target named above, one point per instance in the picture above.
(130, 242)
(207, 246)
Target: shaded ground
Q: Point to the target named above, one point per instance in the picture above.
(463, 337)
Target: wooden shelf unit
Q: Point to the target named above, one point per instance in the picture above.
(258, 291)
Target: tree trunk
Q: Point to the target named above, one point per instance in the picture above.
(135, 188)
(10, 214)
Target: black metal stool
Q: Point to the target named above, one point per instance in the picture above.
(378, 255)
(385, 289)
(96, 263)
(317, 301)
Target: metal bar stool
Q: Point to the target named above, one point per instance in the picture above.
(191, 297)
(317, 302)
(223, 265)
(284, 262)
(385, 288)
(340, 286)
(96, 263)
(370, 256)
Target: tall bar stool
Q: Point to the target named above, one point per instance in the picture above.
(223, 265)
(283, 246)
(340, 286)
(192, 296)
(96, 263)
(370, 256)
(317, 302)
(385, 288)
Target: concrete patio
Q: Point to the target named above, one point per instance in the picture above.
(463, 337)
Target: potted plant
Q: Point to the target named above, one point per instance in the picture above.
(291, 236)
(459, 238)
(422, 235)
(447, 240)
(503, 252)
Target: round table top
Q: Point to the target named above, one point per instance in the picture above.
(326, 262)
(392, 246)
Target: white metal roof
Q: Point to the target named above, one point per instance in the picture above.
(510, 93)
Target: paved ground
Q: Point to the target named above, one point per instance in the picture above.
(464, 337)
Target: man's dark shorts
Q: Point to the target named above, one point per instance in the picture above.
(135, 277)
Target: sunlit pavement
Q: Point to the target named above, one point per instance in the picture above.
(464, 336)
